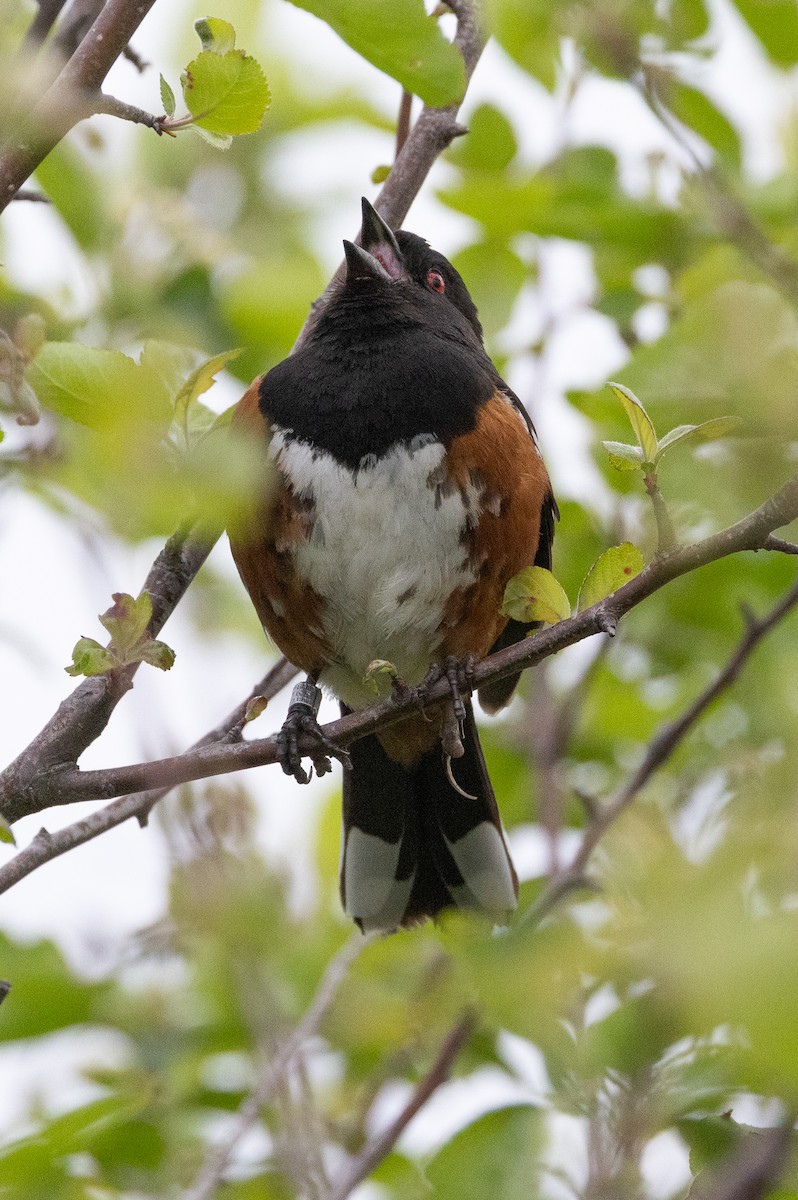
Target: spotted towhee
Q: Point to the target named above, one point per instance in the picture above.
(404, 489)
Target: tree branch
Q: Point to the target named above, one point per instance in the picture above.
(46, 846)
(55, 114)
(213, 1169)
(659, 750)
(67, 785)
(379, 1147)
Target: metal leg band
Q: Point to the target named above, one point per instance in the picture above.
(305, 698)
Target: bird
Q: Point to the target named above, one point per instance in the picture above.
(403, 487)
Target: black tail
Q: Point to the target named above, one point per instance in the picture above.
(414, 845)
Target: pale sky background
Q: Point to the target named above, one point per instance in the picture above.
(91, 898)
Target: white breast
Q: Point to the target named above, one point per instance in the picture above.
(385, 554)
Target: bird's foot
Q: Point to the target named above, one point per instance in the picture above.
(459, 673)
(301, 722)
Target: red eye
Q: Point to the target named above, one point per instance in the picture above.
(436, 281)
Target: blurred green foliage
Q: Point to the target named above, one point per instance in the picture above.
(659, 1003)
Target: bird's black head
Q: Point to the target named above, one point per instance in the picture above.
(402, 264)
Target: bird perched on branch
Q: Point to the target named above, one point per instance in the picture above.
(405, 489)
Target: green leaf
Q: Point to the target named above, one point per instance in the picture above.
(157, 654)
(639, 419)
(623, 456)
(197, 383)
(611, 570)
(775, 23)
(219, 141)
(380, 173)
(529, 31)
(707, 431)
(498, 1155)
(535, 595)
(695, 109)
(398, 37)
(490, 145)
(6, 833)
(95, 387)
(227, 94)
(215, 34)
(167, 98)
(90, 658)
(127, 620)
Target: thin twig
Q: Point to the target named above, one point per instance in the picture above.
(46, 846)
(101, 102)
(42, 23)
(218, 1159)
(730, 213)
(30, 195)
(776, 543)
(380, 1146)
(658, 752)
(403, 121)
(666, 537)
(65, 786)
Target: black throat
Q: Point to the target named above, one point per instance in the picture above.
(380, 368)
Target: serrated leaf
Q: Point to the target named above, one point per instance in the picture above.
(535, 595)
(707, 431)
(96, 387)
(167, 98)
(127, 620)
(215, 34)
(198, 382)
(639, 419)
(227, 94)
(623, 456)
(6, 833)
(90, 658)
(156, 653)
(611, 570)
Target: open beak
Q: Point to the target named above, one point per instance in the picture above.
(378, 256)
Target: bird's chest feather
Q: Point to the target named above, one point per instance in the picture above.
(384, 546)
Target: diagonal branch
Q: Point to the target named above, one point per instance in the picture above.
(71, 784)
(46, 846)
(659, 750)
(379, 1147)
(83, 716)
(55, 114)
(213, 1169)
